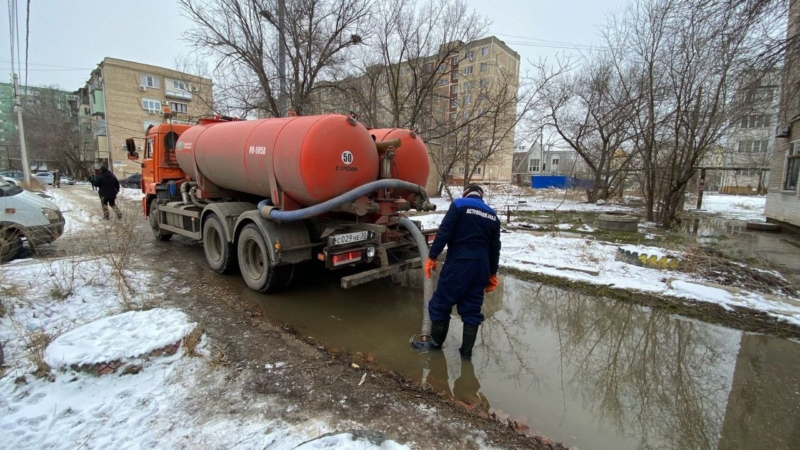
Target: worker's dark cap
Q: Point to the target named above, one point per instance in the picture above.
(473, 190)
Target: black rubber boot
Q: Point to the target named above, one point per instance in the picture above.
(468, 340)
(438, 335)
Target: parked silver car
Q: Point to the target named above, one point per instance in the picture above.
(44, 177)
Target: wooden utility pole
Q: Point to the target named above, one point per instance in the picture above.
(700, 188)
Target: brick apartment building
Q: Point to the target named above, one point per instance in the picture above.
(122, 98)
(465, 83)
(783, 199)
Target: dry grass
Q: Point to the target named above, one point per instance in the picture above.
(35, 343)
(714, 267)
(116, 244)
(192, 340)
(32, 185)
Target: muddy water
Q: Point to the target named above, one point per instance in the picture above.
(590, 372)
(781, 251)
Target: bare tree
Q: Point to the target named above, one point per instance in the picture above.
(242, 36)
(681, 62)
(589, 109)
(51, 133)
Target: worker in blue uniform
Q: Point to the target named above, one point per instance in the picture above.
(471, 232)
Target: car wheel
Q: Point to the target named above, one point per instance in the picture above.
(10, 244)
(220, 254)
(254, 263)
(158, 233)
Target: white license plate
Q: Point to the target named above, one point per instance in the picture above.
(349, 238)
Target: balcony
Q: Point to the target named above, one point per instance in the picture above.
(178, 94)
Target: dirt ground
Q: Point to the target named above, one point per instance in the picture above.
(314, 382)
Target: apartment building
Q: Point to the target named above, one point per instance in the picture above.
(124, 98)
(783, 199)
(462, 100)
(45, 97)
(751, 141)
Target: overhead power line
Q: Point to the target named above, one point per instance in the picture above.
(546, 43)
(53, 65)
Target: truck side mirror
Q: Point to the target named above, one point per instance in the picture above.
(130, 145)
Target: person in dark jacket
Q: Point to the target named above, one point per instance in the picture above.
(108, 187)
(93, 179)
(471, 232)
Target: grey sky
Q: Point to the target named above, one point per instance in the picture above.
(78, 34)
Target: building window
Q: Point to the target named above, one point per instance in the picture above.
(483, 82)
(453, 104)
(151, 105)
(454, 61)
(452, 117)
(484, 67)
(763, 94)
(466, 86)
(467, 99)
(484, 51)
(454, 75)
(470, 55)
(468, 70)
(533, 165)
(756, 121)
(148, 123)
(753, 146)
(179, 107)
(149, 81)
(441, 82)
(555, 162)
(792, 167)
(429, 67)
(478, 171)
(177, 84)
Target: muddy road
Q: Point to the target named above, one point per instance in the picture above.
(588, 372)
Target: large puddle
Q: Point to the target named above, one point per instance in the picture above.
(590, 372)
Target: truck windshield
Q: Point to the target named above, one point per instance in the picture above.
(8, 189)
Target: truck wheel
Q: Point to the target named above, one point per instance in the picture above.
(10, 244)
(157, 232)
(220, 254)
(254, 263)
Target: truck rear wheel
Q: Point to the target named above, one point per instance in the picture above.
(255, 264)
(157, 231)
(220, 254)
(10, 244)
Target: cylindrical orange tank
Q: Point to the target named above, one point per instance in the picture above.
(313, 158)
(411, 158)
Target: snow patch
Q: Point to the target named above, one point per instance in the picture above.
(122, 336)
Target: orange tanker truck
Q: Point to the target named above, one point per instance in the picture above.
(267, 195)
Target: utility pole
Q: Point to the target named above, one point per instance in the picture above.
(282, 100)
(26, 167)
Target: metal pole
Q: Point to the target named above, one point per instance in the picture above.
(26, 167)
(282, 100)
(700, 188)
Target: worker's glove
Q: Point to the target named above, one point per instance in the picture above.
(492, 283)
(430, 265)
